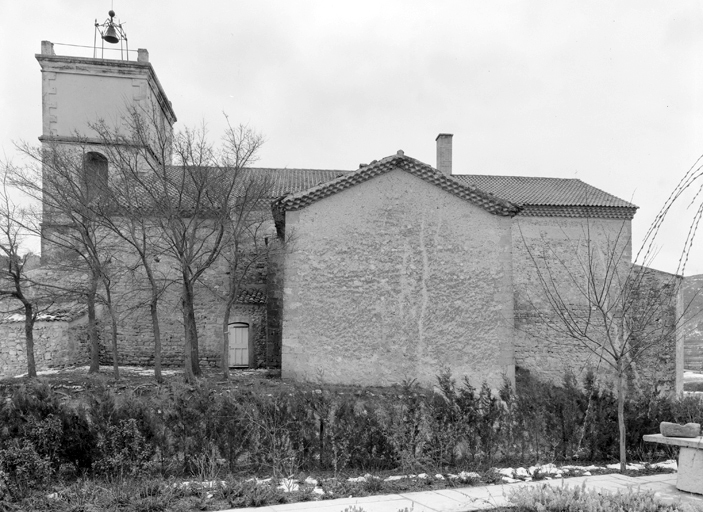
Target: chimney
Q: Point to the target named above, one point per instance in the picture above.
(142, 55)
(444, 153)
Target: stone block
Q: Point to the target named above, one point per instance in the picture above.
(668, 429)
(690, 470)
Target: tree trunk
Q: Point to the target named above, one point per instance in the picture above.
(115, 363)
(93, 328)
(29, 339)
(190, 325)
(154, 310)
(195, 358)
(157, 336)
(225, 341)
(621, 416)
(113, 333)
(188, 363)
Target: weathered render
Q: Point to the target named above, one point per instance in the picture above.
(395, 276)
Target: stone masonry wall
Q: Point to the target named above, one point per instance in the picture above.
(659, 302)
(557, 248)
(395, 279)
(135, 331)
(56, 344)
(131, 294)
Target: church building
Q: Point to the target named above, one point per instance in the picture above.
(394, 271)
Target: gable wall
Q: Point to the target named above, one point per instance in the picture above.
(396, 279)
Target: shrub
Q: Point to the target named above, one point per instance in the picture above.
(22, 468)
(548, 498)
(60, 433)
(249, 494)
(123, 450)
(407, 426)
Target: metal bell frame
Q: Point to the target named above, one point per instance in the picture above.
(113, 33)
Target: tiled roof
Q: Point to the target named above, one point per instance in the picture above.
(488, 201)
(184, 194)
(254, 296)
(523, 191)
(534, 196)
(290, 181)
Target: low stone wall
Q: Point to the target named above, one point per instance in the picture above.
(56, 344)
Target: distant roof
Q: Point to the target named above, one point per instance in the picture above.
(492, 203)
(289, 181)
(535, 196)
(525, 190)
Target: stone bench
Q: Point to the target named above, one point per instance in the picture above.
(690, 471)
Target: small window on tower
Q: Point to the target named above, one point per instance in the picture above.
(95, 170)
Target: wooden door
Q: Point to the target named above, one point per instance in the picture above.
(238, 333)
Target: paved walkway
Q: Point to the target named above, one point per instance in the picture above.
(465, 499)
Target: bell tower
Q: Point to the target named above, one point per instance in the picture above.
(79, 93)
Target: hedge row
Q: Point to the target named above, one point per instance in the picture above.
(200, 430)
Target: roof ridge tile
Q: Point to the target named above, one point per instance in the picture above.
(489, 202)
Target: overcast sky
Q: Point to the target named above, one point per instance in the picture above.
(607, 92)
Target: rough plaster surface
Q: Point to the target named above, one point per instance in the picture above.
(395, 279)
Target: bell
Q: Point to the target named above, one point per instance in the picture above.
(111, 35)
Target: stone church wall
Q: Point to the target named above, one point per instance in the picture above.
(135, 331)
(131, 295)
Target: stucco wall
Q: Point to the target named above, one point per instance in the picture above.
(397, 279)
(557, 248)
(78, 92)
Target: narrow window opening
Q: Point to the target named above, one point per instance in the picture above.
(95, 175)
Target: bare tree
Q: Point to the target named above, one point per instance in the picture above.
(136, 155)
(246, 244)
(601, 301)
(70, 181)
(14, 265)
(181, 212)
